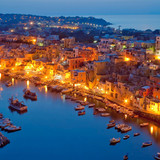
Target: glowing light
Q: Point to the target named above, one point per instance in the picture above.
(31, 23)
(125, 116)
(151, 129)
(12, 69)
(126, 101)
(45, 88)
(0, 76)
(158, 57)
(0, 65)
(46, 77)
(27, 84)
(86, 87)
(85, 99)
(106, 92)
(27, 72)
(127, 59)
(12, 81)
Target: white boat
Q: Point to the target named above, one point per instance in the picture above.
(126, 129)
(105, 114)
(119, 126)
(79, 108)
(144, 124)
(101, 109)
(157, 156)
(114, 140)
(146, 144)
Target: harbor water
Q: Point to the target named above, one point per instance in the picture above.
(52, 129)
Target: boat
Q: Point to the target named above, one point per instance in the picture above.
(157, 156)
(146, 144)
(80, 113)
(119, 126)
(112, 121)
(8, 84)
(105, 114)
(66, 91)
(79, 108)
(136, 134)
(126, 137)
(126, 129)
(125, 157)
(114, 140)
(12, 128)
(15, 104)
(91, 105)
(101, 110)
(110, 125)
(3, 140)
(29, 94)
(144, 124)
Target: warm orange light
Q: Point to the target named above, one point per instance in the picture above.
(45, 88)
(27, 84)
(158, 57)
(151, 129)
(0, 65)
(12, 81)
(85, 99)
(126, 101)
(106, 92)
(12, 69)
(0, 76)
(127, 59)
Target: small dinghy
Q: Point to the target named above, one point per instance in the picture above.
(91, 105)
(110, 125)
(78, 108)
(146, 144)
(114, 141)
(112, 121)
(126, 129)
(157, 156)
(125, 157)
(136, 134)
(12, 128)
(80, 113)
(144, 124)
(126, 137)
(105, 114)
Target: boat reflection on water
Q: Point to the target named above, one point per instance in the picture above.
(12, 81)
(19, 112)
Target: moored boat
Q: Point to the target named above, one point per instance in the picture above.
(8, 84)
(105, 114)
(80, 113)
(126, 137)
(29, 94)
(125, 157)
(12, 128)
(112, 121)
(136, 134)
(126, 129)
(144, 124)
(79, 108)
(146, 144)
(110, 125)
(157, 156)
(114, 140)
(15, 104)
(91, 105)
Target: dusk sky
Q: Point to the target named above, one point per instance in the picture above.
(80, 7)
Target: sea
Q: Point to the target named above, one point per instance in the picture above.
(52, 129)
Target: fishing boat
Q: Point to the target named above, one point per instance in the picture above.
(136, 134)
(144, 124)
(12, 128)
(126, 129)
(157, 156)
(105, 114)
(15, 104)
(110, 125)
(119, 126)
(29, 94)
(80, 113)
(146, 144)
(126, 137)
(114, 140)
(125, 157)
(79, 108)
